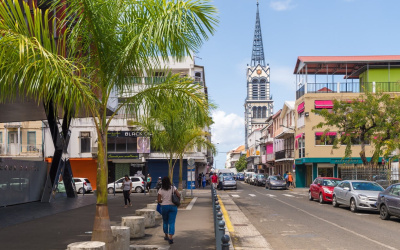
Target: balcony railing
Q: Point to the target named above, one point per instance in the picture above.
(13, 149)
(284, 154)
(348, 87)
(270, 157)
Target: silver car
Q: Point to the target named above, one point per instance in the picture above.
(228, 183)
(357, 194)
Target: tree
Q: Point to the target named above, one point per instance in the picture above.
(372, 117)
(241, 164)
(100, 47)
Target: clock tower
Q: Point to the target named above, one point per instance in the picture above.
(259, 104)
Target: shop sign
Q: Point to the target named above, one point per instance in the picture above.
(344, 161)
(115, 156)
(111, 134)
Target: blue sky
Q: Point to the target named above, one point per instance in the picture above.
(290, 28)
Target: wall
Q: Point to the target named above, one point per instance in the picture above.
(382, 76)
(159, 168)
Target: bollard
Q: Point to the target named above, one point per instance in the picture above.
(221, 226)
(219, 216)
(225, 242)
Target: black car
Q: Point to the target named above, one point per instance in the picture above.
(260, 180)
(388, 202)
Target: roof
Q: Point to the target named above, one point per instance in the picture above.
(342, 65)
(239, 149)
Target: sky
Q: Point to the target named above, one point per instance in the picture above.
(290, 28)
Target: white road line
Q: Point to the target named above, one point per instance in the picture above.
(288, 195)
(235, 195)
(336, 225)
(271, 195)
(252, 195)
(189, 207)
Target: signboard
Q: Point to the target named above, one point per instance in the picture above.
(111, 134)
(113, 156)
(143, 145)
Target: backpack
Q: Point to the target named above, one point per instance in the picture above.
(290, 178)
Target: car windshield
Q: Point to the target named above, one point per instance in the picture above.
(331, 183)
(276, 178)
(370, 186)
(261, 177)
(228, 178)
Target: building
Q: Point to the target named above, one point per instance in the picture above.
(267, 147)
(233, 156)
(258, 104)
(253, 156)
(125, 156)
(322, 79)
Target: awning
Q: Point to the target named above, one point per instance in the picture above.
(299, 135)
(325, 104)
(300, 108)
(327, 133)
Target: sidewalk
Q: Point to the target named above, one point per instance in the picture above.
(55, 225)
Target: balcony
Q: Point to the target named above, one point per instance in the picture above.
(347, 87)
(270, 157)
(23, 150)
(283, 155)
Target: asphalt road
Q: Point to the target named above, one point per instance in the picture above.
(288, 220)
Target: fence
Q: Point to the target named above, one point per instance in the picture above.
(383, 176)
(221, 239)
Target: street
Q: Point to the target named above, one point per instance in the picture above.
(288, 220)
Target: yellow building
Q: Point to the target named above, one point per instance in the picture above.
(322, 79)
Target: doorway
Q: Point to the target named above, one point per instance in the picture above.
(13, 143)
(325, 172)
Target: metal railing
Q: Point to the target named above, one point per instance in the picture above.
(287, 153)
(13, 149)
(221, 239)
(383, 176)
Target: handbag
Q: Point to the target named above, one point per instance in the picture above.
(158, 208)
(175, 199)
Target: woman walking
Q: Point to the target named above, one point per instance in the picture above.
(127, 189)
(168, 209)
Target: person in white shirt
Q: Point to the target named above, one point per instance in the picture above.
(127, 189)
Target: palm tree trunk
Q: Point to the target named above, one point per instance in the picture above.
(180, 186)
(102, 227)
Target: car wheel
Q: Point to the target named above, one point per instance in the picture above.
(80, 191)
(334, 202)
(384, 213)
(321, 198)
(353, 205)
(310, 196)
(110, 190)
(138, 189)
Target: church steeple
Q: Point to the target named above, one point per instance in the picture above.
(257, 56)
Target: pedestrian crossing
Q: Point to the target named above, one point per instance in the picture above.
(291, 195)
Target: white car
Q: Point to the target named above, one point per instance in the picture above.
(137, 185)
(82, 185)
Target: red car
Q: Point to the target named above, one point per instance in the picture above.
(322, 189)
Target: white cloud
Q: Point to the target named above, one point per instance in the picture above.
(281, 5)
(282, 76)
(228, 129)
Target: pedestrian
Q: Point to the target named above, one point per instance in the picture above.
(199, 181)
(220, 180)
(289, 180)
(158, 185)
(127, 189)
(148, 180)
(168, 209)
(207, 179)
(285, 174)
(204, 180)
(214, 180)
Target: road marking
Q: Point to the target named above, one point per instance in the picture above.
(288, 195)
(271, 195)
(252, 195)
(226, 216)
(336, 225)
(235, 195)
(189, 207)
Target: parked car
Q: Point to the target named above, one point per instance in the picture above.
(359, 195)
(137, 185)
(322, 189)
(388, 202)
(382, 180)
(275, 181)
(260, 180)
(252, 179)
(81, 185)
(240, 177)
(228, 183)
(247, 176)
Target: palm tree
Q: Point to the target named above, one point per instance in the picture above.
(99, 47)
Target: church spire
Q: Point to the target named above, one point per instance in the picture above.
(257, 56)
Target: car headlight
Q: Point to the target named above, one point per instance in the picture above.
(327, 191)
(363, 197)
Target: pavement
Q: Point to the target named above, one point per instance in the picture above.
(52, 226)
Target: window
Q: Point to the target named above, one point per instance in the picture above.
(85, 142)
(31, 138)
(357, 141)
(346, 185)
(301, 142)
(328, 139)
(264, 112)
(1, 137)
(395, 190)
